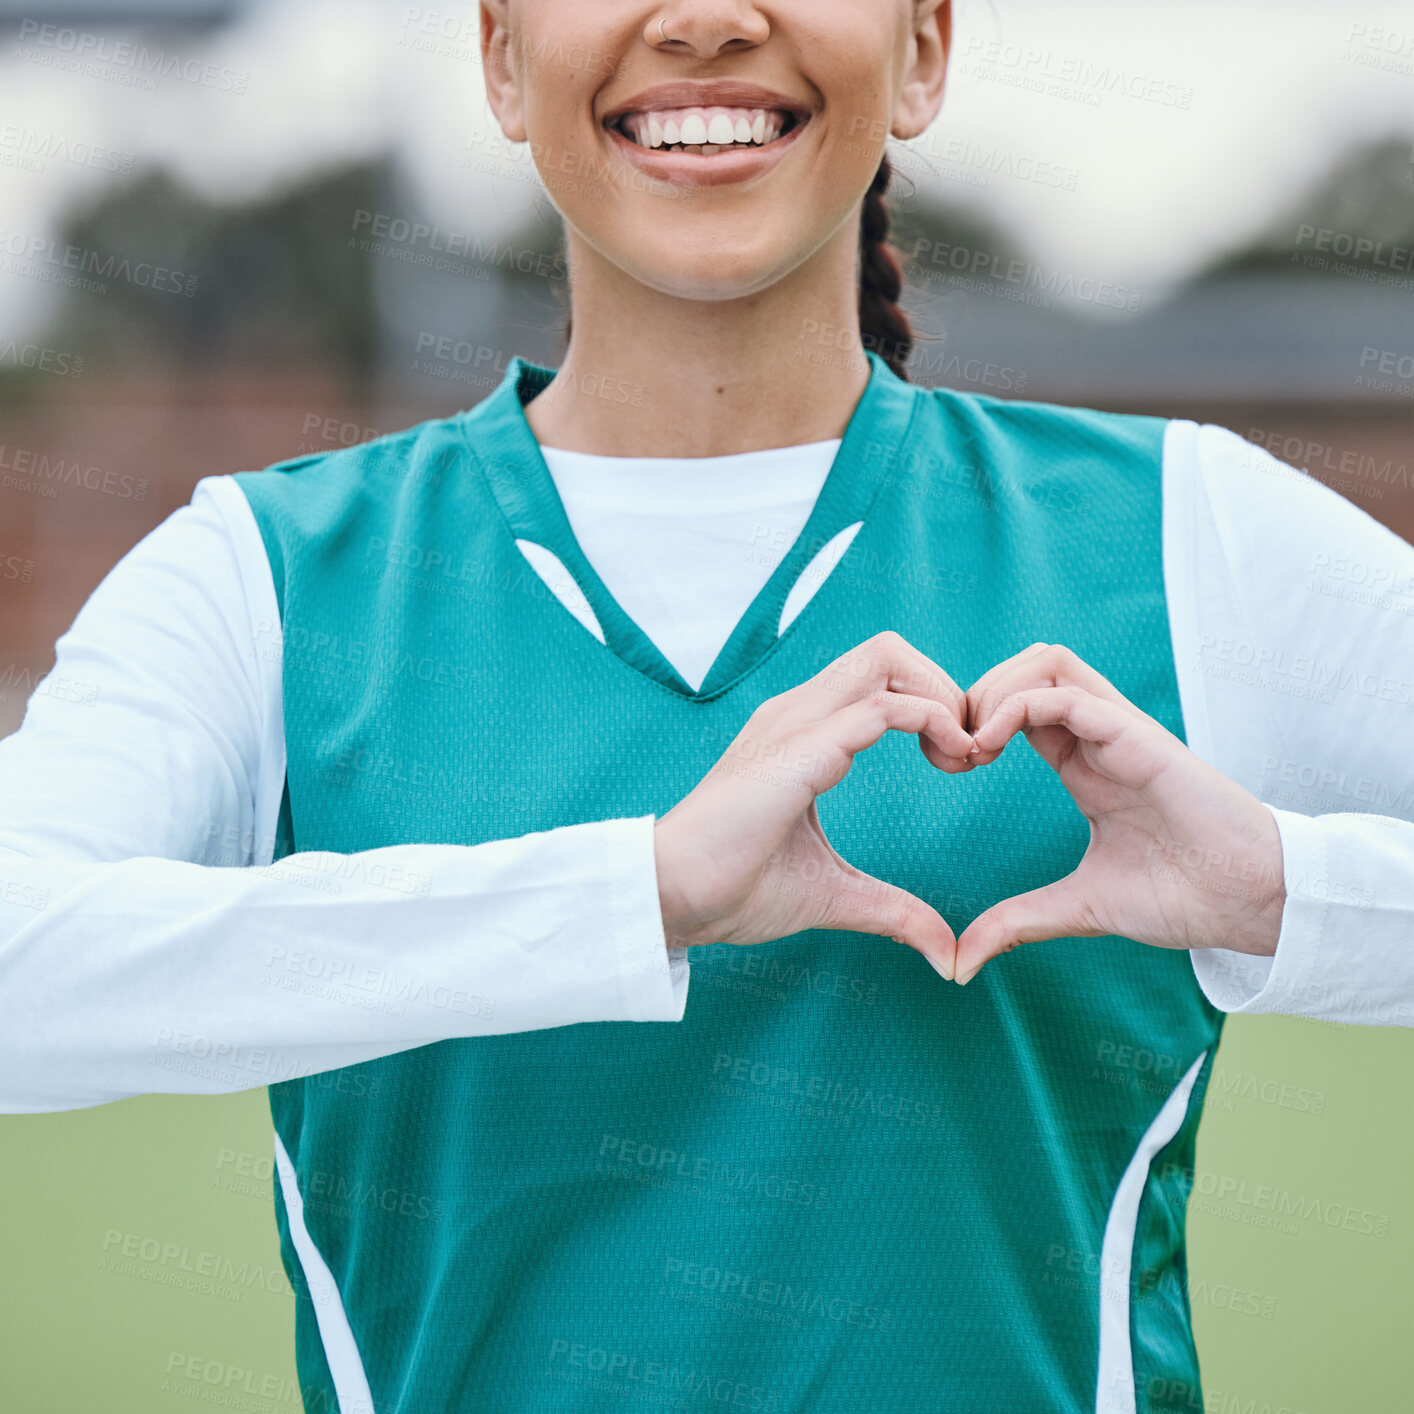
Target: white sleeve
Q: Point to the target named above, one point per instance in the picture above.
(1292, 615)
(152, 755)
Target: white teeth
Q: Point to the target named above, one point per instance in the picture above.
(704, 131)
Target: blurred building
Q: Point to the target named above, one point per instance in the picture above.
(194, 13)
(312, 319)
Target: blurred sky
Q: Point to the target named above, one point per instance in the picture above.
(1274, 95)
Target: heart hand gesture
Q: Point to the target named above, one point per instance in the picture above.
(1180, 856)
(743, 858)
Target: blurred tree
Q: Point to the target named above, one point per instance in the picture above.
(1369, 194)
(277, 284)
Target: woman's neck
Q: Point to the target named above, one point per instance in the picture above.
(650, 374)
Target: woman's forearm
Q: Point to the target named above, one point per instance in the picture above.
(154, 975)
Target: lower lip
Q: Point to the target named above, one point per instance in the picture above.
(693, 169)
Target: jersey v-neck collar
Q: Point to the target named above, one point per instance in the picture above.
(503, 446)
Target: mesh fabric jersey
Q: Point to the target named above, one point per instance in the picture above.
(839, 1182)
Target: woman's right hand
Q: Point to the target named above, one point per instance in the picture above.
(743, 858)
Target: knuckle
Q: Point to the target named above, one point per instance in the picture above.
(776, 706)
(886, 647)
(989, 701)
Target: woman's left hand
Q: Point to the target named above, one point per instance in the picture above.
(1180, 856)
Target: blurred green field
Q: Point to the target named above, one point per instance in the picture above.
(1310, 1321)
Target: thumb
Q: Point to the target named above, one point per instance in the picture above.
(1055, 911)
(864, 904)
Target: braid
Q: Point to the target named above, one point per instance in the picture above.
(883, 326)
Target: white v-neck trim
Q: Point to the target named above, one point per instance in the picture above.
(685, 544)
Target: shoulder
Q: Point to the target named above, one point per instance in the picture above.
(311, 491)
(1020, 418)
(1028, 441)
(307, 509)
(1256, 506)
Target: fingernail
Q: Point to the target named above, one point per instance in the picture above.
(939, 969)
(964, 978)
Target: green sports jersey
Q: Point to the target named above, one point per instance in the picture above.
(839, 1182)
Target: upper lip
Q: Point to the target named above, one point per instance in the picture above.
(708, 93)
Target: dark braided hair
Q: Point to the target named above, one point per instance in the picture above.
(883, 326)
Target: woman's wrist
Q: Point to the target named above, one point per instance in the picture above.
(681, 924)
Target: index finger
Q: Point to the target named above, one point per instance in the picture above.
(886, 662)
(1040, 665)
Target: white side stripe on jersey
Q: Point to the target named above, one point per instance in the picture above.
(340, 1348)
(1114, 1389)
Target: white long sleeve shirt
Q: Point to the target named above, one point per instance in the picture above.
(134, 957)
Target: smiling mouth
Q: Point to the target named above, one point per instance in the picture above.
(705, 131)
